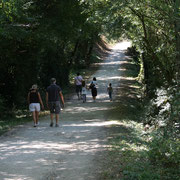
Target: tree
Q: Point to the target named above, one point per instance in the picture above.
(41, 39)
(152, 27)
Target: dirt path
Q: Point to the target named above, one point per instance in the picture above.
(74, 150)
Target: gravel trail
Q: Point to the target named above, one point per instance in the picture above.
(72, 151)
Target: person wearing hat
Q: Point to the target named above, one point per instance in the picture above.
(34, 101)
(53, 97)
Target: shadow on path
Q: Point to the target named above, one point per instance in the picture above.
(75, 150)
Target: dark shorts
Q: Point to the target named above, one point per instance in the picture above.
(54, 107)
(94, 92)
(78, 88)
(110, 94)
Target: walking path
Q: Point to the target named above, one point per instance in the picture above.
(74, 150)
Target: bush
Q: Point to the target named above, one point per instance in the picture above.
(165, 153)
(132, 51)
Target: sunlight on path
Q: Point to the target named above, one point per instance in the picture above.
(72, 151)
(122, 46)
(110, 71)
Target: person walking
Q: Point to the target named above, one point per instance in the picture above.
(110, 91)
(53, 97)
(84, 91)
(93, 87)
(78, 83)
(34, 101)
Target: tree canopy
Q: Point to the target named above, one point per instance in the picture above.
(41, 39)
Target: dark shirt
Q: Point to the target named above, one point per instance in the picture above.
(110, 89)
(53, 93)
(33, 97)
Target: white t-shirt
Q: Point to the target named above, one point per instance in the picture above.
(78, 80)
(84, 90)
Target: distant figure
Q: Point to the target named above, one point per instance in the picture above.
(53, 97)
(93, 87)
(110, 91)
(34, 101)
(84, 91)
(78, 82)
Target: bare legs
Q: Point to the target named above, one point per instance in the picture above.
(79, 91)
(94, 98)
(35, 115)
(57, 119)
(79, 95)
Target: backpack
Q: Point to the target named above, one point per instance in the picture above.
(92, 85)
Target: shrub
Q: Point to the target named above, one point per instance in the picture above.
(165, 153)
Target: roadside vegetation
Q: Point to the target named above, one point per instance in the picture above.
(40, 39)
(137, 151)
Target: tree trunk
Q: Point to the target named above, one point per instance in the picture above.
(73, 56)
(177, 36)
(146, 74)
(89, 54)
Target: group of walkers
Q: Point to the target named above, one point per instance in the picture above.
(81, 88)
(55, 99)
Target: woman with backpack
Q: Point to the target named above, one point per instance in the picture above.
(93, 87)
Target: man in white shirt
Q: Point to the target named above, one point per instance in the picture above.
(78, 82)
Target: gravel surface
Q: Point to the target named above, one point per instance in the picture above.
(72, 151)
